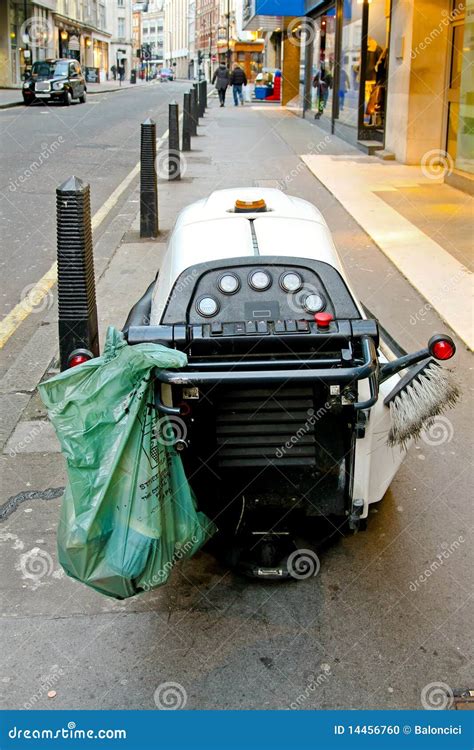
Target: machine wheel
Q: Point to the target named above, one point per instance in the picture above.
(27, 101)
(67, 98)
(83, 98)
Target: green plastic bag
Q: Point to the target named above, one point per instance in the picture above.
(128, 512)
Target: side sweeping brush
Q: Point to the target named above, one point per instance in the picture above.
(426, 391)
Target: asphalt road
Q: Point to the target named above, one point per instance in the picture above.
(40, 146)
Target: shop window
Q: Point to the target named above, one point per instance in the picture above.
(350, 65)
(323, 65)
(460, 94)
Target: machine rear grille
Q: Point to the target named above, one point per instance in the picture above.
(259, 426)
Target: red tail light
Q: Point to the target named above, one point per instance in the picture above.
(78, 357)
(441, 347)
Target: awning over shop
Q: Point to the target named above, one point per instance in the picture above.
(266, 15)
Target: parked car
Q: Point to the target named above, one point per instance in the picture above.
(166, 74)
(55, 80)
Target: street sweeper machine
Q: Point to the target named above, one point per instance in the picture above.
(294, 411)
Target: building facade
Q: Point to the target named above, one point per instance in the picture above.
(194, 59)
(207, 31)
(152, 32)
(176, 31)
(91, 31)
(121, 43)
(382, 74)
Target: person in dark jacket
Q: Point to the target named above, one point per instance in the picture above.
(221, 80)
(237, 80)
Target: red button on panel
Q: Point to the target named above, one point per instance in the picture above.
(323, 319)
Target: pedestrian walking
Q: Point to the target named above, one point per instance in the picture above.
(221, 80)
(238, 79)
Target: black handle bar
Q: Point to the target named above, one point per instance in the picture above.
(367, 370)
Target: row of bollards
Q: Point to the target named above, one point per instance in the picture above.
(77, 307)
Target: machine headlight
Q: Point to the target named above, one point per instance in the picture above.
(58, 85)
(314, 303)
(207, 306)
(291, 282)
(260, 280)
(228, 283)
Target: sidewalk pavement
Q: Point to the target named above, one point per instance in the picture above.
(230, 644)
(13, 98)
(421, 224)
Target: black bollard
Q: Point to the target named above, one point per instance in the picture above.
(186, 142)
(148, 181)
(77, 309)
(174, 157)
(204, 86)
(201, 105)
(194, 110)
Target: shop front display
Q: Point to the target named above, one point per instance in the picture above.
(349, 61)
(460, 90)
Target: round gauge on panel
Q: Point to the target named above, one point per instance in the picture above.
(207, 306)
(229, 283)
(291, 281)
(314, 303)
(260, 280)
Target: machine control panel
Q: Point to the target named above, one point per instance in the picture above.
(289, 330)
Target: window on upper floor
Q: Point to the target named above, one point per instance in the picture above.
(121, 27)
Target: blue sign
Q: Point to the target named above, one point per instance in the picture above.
(237, 730)
(279, 7)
